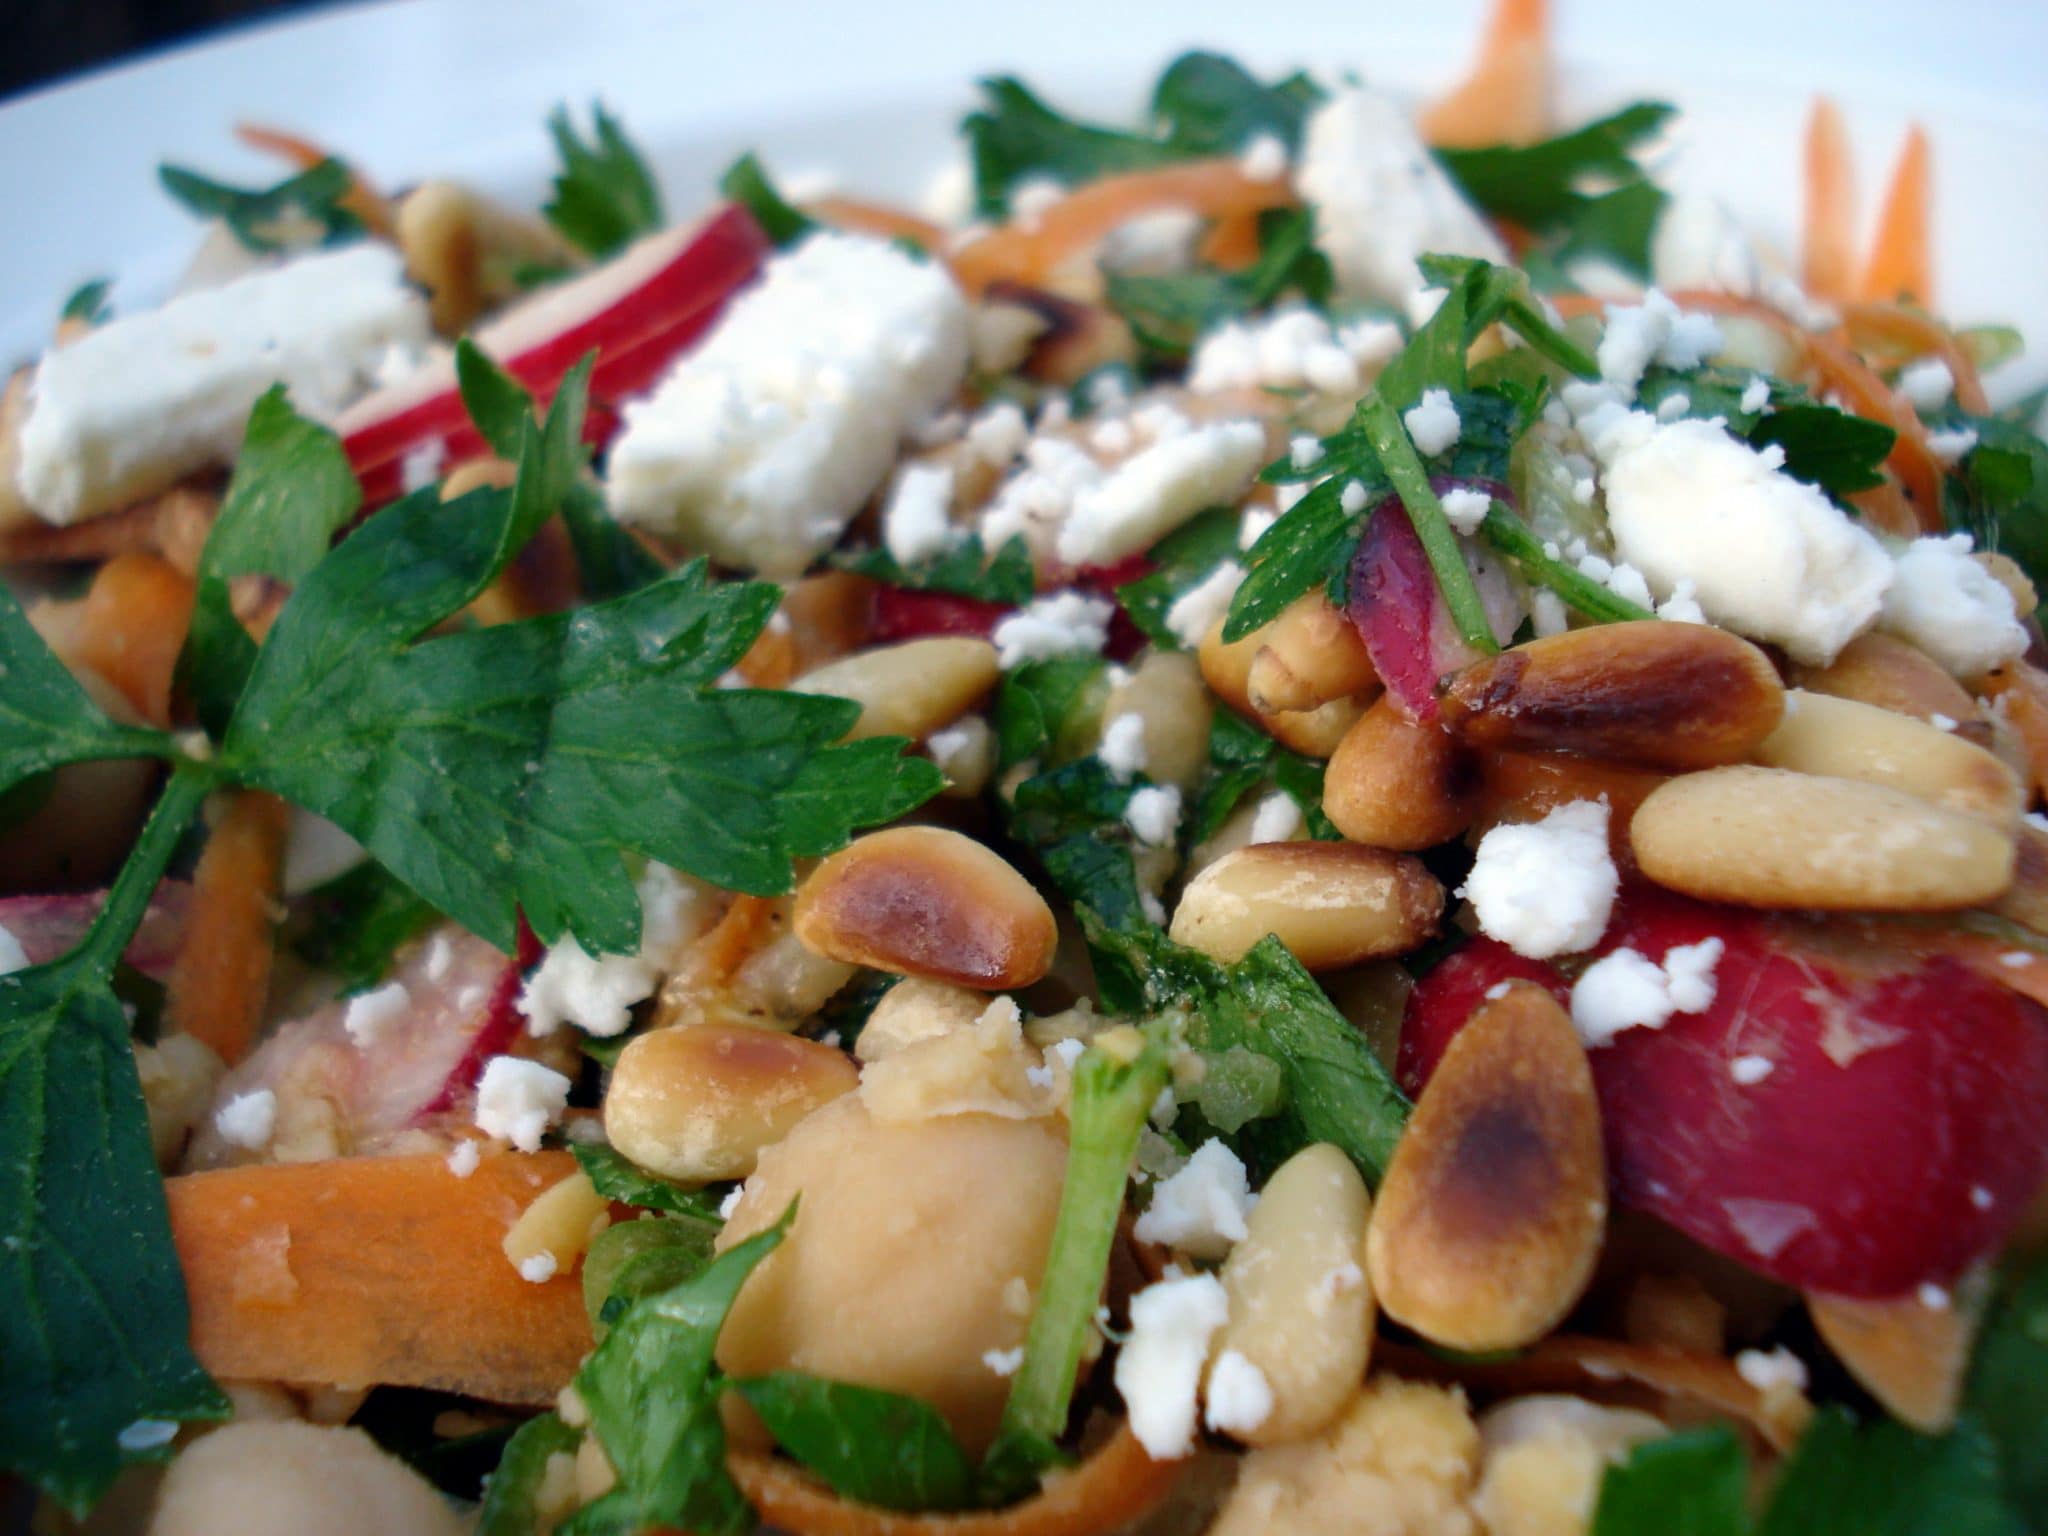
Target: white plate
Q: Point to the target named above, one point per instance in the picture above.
(871, 91)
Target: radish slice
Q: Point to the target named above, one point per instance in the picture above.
(49, 927)
(904, 614)
(637, 312)
(1894, 1137)
(1401, 614)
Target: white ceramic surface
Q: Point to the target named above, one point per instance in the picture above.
(871, 91)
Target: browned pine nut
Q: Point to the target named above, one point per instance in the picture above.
(1876, 668)
(1166, 692)
(1823, 734)
(2026, 900)
(1393, 783)
(1227, 668)
(1332, 904)
(1311, 655)
(923, 901)
(1493, 1208)
(1527, 786)
(560, 1223)
(700, 1102)
(910, 689)
(1768, 837)
(1663, 695)
(1314, 732)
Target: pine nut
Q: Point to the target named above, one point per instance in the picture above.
(1527, 786)
(1662, 695)
(2010, 576)
(700, 1102)
(1300, 1308)
(1227, 668)
(1312, 654)
(1332, 904)
(966, 752)
(1767, 837)
(1826, 735)
(915, 1010)
(1393, 783)
(1166, 692)
(910, 689)
(923, 901)
(1876, 668)
(1492, 1211)
(561, 1222)
(2026, 900)
(1314, 732)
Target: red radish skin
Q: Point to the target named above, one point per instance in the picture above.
(904, 614)
(1896, 1139)
(500, 1027)
(50, 927)
(1401, 615)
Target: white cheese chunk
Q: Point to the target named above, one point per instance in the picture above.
(1927, 384)
(761, 444)
(248, 1119)
(518, 1100)
(1239, 1399)
(1059, 624)
(1277, 819)
(917, 523)
(1655, 331)
(1628, 990)
(596, 993)
(12, 956)
(1159, 1369)
(1123, 747)
(1433, 423)
(1198, 610)
(1201, 1208)
(369, 1016)
(1293, 347)
(142, 401)
(1465, 509)
(1153, 814)
(1546, 888)
(1950, 606)
(1184, 470)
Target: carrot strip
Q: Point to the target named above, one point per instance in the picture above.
(1828, 256)
(376, 1271)
(1505, 98)
(221, 982)
(877, 219)
(1028, 250)
(1901, 265)
(363, 200)
(1907, 334)
(1115, 1486)
(1232, 243)
(134, 624)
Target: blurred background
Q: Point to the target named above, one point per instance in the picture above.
(49, 39)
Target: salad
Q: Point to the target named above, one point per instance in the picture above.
(1297, 818)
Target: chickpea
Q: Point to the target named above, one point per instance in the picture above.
(259, 1479)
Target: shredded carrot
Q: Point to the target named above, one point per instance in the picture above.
(1028, 250)
(136, 615)
(363, 200)
(877, 219)
(1112, 1488)
(1505, 99)
(1900, 335)
(221, 982)
(1901, 264)
(1232, 243)
(376, 1271)
(1828, 251)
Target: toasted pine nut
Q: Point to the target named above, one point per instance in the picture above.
(2011, 577)
(1493, 1208)
(1314, 732)
(829, 614)
(783, 983)
(915, 1010)
(1395, 784)
(462, 248)
(923, 901)
(1227, 668)
(1331, 904)
(1311, 655)
(910, 689)
(1527, 786)
(1300, 1308)
(1822, 734)
(561, 1223)
(1911, 1357)
(1663, 695)
(966, 752)
(1166, 692)
(594, 1475)
(2026, 900)
(473, 474)
(1768, 837)
(700, 1102)
(1876, 668)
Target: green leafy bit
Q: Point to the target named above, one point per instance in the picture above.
(652, 1391)
(1241, 759)
(1180, 562)
(746, 183)
(1690, 1484)
(509, 1507)
(617, 1177)
(306, 209)
(874, 1447)
(633, 1259)
(1513, 538)
(1168, 314)
(1999, 492)
(2008, 1385)
(1404, 469)
(965, 570)
(1049, 709)
(605, 197)
(357, 922)
(88, 302)
(46, 720)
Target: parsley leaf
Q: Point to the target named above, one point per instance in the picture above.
(965, 570)
(88, 302)
(356, 923)
(1695, 1483)
(605, 197)
(2008, 1385)
(46, 719)
(1209, 104)
(1180, 562)
(746, 183)
(1047, 709)
(873, 1447)
(306, 209)
(1241, 758)
(510, 1495)
(1168, 314)
(1999, 492)
(1885, 1480)
(630, 1260)
(1840, 453)
(617, 1177)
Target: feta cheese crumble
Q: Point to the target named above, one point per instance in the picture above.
(1239, 1399)
(1433, 423)
(1159, 1369)
(1756, 394)
(537, 1268)
(1201, 1209)
(596, 993)
(1004, 1362)
(1264, 158)
(1465, 509)
(1951, 444)
(1294, 347)
(1153, 814)
(1199, 609)
(1750, 1070)
(762, 442)
(1776, 1370)
(517, 1100)
(370, 1015)
(1277, 819)
(1123, 747)
(1950, 606)
(1060, 624)
(1927, 384)
(463, 1159)
(1628, 990)
(1187, 467)
(1654, 331)
(248, 1119)
(916, 524)
(1546, 888)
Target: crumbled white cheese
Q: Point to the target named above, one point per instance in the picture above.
(1756, 394)
(1253, 525)
(1032, 197)
(1004, 1362)
(1681, 607)
(1927, 384)
(12, 956)
(917, 524)
(1277, 819)
(1035, 501)
(369, 1015)
(998, 434)
(1768, 556)
(463, 1159)
(1981, 1198)
(145, 1435)
(1950, 445)
(518, 1100)
(731, 1202)
(1159, 1369)
(248, 1119)
(1293, 347)
(1185, 469)
(1628, 990)
(1433, 423)
(1060, 624)
(1950, 606)
(1352, 499)
(537, 1268)
(422, 466)
(1381, 199)
(1123, 747)
(1749, 1070)
(1153, 814)
(1153, 244)
(1933, 1297)
(765, 439)
(1196, 611)
(140, 402)
(1239, 1399)
(1673, 406)
(1264, 158)
(1655, 331)
(1770, 1371)
(1547, 612)
(1201, 1209)
(1465, 509)
(596, 993)
(1546, 888)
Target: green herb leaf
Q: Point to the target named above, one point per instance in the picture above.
(2008, 1385)
(1884, 1480)
(965, 570)
(46, 719)
(499, 406)
(633, 1259)
(1403, 466)
(653, 1393)
(88, 302)
(510, 1495)
(1999, 492)
(605, 197)
(1515, 539)
(1170, 313)
(1695, 1483)
(1299, 553)
(1046, 709)
(617, 1177)
(356, 923)
(305, 209)
(873, 1447)
(93, 1338)
(1838, 452)
(1209, 104)
(1181, 561)
(746, 183)
(292, 491)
